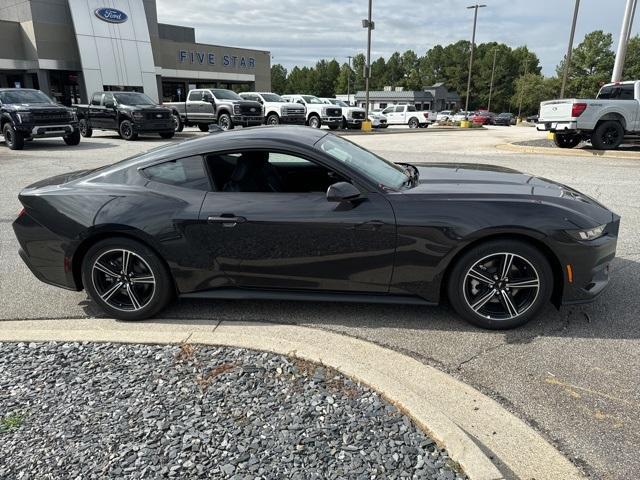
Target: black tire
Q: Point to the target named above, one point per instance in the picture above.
(151, 298)
(73, 138)
(225, 122)
(607, 136)
(13, 139)
(167, 135)
(563, 140)
(314, 121)
(85, 130)
(525, 301)
(344, 125)
(177, 122)
(333, 127)
(273, 119)
(413, 122)
(204, 127)
(127, 131)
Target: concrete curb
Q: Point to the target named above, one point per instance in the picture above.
(472, 426)
(573, 152)
(393, 131)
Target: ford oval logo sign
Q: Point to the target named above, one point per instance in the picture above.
(111, 15)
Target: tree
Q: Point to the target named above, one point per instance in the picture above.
(359, 62)
(344, 82)
(532, 89)
(632, 60)
(278, 78)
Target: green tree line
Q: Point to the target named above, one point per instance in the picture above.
(517, 77)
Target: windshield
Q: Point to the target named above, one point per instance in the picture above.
(381, 171)
(311, 99)
(504, 115)
(24, 96)
(222, 94)
(271, 97)
(133, 98)
(339, 102)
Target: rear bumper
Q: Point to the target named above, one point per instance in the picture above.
(556, 126)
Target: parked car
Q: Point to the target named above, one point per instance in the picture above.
(352, 117)
(318, 112)
(604, 121)
(532, 118)
(483, 117)
(298, 214)
(276, 109)
(26, 114)
(128, 113)
(461, 115)
(378, 119)
(444, 115)
(505, 118)
(408, 115)
(225, 108)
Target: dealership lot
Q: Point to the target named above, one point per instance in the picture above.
(572, 374)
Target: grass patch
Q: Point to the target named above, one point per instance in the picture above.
(11, 422)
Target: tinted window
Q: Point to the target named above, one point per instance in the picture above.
(223, 94)
(132, 98)
(23, 96)
(606, 92)
(399, 109)
(186, 172)
(626, 92)
(96, 99)
(411, 108)
(195, 96)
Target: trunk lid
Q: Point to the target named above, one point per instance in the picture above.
(556, 110)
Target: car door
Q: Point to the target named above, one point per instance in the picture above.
(297, 239)
(194, 105)
(109, 113)
(96, 111)
(389, 112)
(208, 106)
(401, 114)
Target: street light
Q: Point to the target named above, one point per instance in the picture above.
(567, 59)
(349, 81)
(625, 32)
(369, 25)
(473, 42)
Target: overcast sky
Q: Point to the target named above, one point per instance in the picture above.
(300, 32)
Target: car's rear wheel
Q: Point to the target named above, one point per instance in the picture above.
(13, 138)
(500, 284)
(127, 131)
(607, 136)
(413, 123)
(85, 130)
(126, 279)
(566, 140)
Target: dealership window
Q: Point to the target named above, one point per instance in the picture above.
(120, 88)
(383, 105)
(185, 172)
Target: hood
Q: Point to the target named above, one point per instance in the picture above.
(19, 107)
(154, 108)
(466, 180)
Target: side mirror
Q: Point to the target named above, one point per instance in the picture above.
(110, 105)
(341, 192)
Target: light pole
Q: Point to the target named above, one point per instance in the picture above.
(349, 81)
(567, 58)
(473, 42)
(369, 25)
(625, 31)
(493, 71)
(526, 65)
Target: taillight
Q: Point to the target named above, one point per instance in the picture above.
(426, 115)
(22, 213)
(577, 109)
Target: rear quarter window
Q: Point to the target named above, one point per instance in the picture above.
(186, 172)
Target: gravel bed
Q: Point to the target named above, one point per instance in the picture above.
(96, 411)
(538, 142)
(546, 143)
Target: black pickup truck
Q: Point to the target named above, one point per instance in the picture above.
(26, 114)
(128, 113)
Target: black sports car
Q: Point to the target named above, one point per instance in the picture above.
(297, 213)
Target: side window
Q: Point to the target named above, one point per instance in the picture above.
(96, 99)
(388, 110)
(626, 92)
(195, 95)
(399, 109)
(607, 92)
(411, 108)
(108, 97)
(186, 172)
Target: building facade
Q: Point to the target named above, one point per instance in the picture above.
(436, 97)
(71, 48)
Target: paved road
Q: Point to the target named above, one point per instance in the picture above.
(572, 374)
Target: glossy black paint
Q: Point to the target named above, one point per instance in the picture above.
(385, 243)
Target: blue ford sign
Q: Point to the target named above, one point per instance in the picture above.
(111, 15)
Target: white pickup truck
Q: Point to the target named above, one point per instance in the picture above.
(318, 112)
(276, 109)
(408, 115)
(352, 117)
(604, 121)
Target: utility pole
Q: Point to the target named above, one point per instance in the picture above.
(493, 71)
(625, 31)
(567, 58)
(526, 65)
(349, 81)
(369, 25)
(473, 42)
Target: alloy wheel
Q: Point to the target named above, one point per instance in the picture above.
(126, 130)
(176, 122)
(123, 280)
(501, 286)
(610, 136)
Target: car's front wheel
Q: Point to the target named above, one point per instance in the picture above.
(127, 131)
(225, 122)
(126, 279)
(73, 138)
(500, 284)
(273, 119)
(314, 121)
(13, 138)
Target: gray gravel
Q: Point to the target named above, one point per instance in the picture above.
(85, 411)
(545, 143)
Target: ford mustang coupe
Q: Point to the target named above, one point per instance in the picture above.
(297, 213)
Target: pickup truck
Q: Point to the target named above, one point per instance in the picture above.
(128, 113)
(26, 114)
(318, 112)
(352, 117)
(604, 121)
(408, 115)
(276, 109)
(205, 106)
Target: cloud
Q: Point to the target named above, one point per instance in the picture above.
(301, 32)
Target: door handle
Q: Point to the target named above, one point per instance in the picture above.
(227, 220)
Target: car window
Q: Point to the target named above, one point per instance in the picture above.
(411, 108)
(388, 110)
(276, 157)
(400, 109)
(195, 96)
(108, 97)
(186, 172)
(96, 99)
(607, 92)
(626, 92)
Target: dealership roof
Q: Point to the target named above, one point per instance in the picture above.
(397, 95)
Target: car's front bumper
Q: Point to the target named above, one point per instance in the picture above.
(44, 131)
(543, 126)
(247, 121)
(332, 121)
(293, 119)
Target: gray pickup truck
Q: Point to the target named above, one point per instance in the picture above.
(205, 106)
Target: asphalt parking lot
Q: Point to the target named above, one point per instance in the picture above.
(572, 374)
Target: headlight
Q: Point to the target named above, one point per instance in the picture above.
(138, 115)
(324, 111)
(24, 117)
(72, 116)
(236, 109)
(589, 234)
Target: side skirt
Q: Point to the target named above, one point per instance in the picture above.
(255, 294)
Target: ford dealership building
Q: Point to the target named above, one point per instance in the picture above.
(70, 48)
